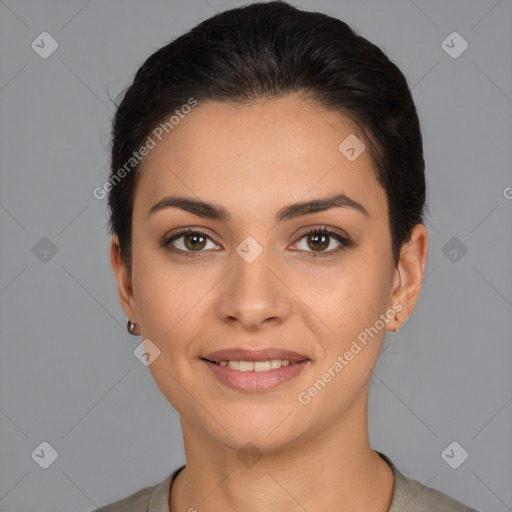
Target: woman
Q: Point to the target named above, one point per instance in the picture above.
(266, 199)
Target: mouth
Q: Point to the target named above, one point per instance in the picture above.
(256, 366)
(256, 370)
(255, 356)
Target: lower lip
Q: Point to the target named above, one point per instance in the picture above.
(255, 381)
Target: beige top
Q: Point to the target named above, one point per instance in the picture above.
(408, 496)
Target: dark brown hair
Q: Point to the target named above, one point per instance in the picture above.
(268, 50)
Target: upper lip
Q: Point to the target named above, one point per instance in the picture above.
(241, 354)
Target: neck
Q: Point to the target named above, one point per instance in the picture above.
(336, 465)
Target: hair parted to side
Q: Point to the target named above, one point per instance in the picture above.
(269, 50)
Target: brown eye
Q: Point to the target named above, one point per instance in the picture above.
(188, 241)
(318, 240)
(195, 241)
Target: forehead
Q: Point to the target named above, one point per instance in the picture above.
(260, 154)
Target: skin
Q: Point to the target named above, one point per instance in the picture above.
(253, 160)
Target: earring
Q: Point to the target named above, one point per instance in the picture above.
(130, 326)
(398, 328)
(396, 319)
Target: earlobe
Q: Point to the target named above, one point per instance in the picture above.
(409, 275)
(123, 279)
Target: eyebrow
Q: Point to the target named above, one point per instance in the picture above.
(217, 212)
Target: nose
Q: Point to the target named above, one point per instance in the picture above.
(254, 293)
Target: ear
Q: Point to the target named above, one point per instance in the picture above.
(408, 276)
(124, 282)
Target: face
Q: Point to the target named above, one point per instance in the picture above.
(255, 275)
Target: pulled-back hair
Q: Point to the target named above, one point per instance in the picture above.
(269, 50)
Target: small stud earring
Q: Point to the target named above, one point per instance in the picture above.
(130, 326)
(398, 328)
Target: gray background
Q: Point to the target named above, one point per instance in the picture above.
(68, 375)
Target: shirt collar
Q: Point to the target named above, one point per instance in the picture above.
(159, 499)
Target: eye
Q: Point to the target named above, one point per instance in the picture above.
(194, 241)
(190, 241)
(321, 239)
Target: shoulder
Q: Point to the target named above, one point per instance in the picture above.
(410, 495)
(154, 498)
(136, 502)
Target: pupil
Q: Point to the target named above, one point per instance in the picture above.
(193, 245)
(321, 245)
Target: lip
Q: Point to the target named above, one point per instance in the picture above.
(255, 381)
(241, 354)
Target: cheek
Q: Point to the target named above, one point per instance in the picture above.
(166, 304)
(163, 295)
(171, 306)
(358, 296)
(349, 296)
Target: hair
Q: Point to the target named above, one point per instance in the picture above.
(269, 50)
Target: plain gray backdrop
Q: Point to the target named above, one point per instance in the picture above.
(68, 374)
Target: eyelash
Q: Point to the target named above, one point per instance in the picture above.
(345, 242)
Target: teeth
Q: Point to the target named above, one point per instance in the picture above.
(257, 366)
(245, 366)
(234, 364)
(262, 366)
